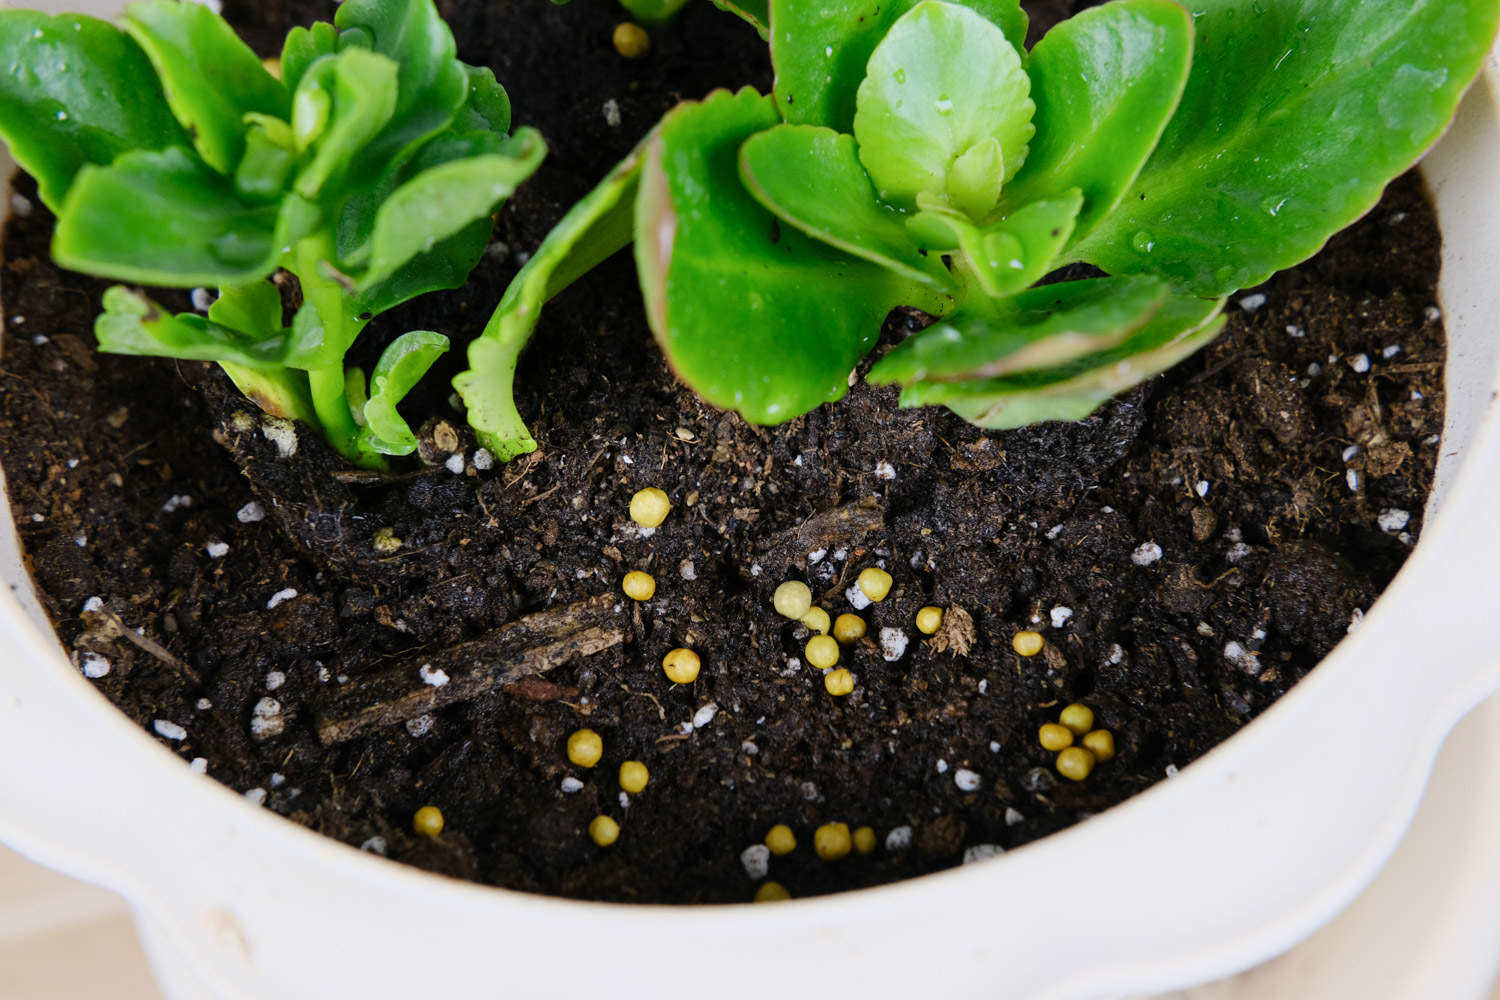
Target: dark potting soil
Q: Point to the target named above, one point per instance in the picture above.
(1190, 552)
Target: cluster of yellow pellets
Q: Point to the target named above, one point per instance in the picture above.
(649, 508)
(1076, 722)
(831, 842)
(586, 749)
(793, 599)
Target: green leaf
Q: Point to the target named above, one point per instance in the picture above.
(79, 91)
(941, 82)
(441, 201)
(820, 51)
(400, 368)
(598, 226)
(1040, 328)
(164, 218)
(752, 315)
(973, 184)
(253, 310)
(1295, 116)
(756, 12)
(267, 164)
(1073, 391)
(811, 178)
(307, 346)
(652, 11)
(302, 48)
(281, 392)
(433, 84)
(1105, 83)
(1016, 252)
(212, 79)
(487, 108)
(352, 96)
(447, 265)
(133, 324)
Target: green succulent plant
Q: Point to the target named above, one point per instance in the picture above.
(369, 170)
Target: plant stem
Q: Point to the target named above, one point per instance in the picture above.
(327, 381)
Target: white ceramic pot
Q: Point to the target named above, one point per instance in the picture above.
(1244, 853)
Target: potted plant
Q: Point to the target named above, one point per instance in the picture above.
(223, 916)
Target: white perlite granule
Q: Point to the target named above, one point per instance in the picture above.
(217, 550)
(885, 470)
(432, 676)
(281, 433)
(1360, 363)
(612, 113)
(967, 780)
(257, 796)
(979, 852)
(1393, 519)
(94, 666)
(274, 680)
(280, 597)
(942, 766)
(571, 785)
(1060, 616)
(899, 839)
(1146, 553)
(893, 643)
(1013, 816)
(483, 460)
(266, 719)
(170, 730)
(857, 598)
(198, 765)
(757, 861)
(251, 512)
(705, 715)
(420, 726)
(375, 845)
(1250, 303)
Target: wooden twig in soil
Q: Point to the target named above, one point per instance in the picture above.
(844, 525)
(411, 686)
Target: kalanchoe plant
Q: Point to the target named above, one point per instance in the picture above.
(917, 154)
(369, 170)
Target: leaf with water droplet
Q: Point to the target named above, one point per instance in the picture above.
(76, 97)
(965, 85)
(1105, 83)
(817, 89)
(1321, 103)
(1018, 250)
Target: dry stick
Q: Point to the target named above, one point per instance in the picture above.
(115, 628)
(846, 524)
(524, 648)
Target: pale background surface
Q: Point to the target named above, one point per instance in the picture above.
(1428, 927)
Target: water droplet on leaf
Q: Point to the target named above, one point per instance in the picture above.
(1143, 242)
